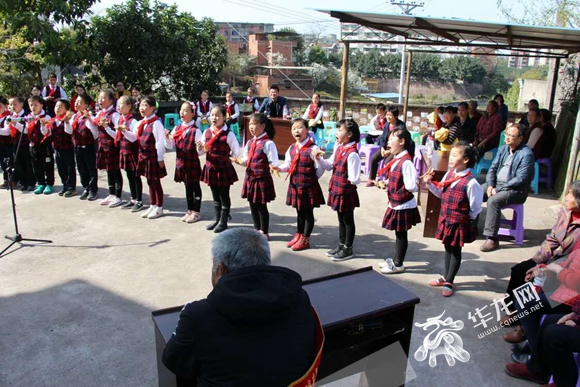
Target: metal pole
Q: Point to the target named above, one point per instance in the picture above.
(402, 77)
(344, 79)
(570, 172)
(554, 85)
(407, 85)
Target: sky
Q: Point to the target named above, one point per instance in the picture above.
(300, 14)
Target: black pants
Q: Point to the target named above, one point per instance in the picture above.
(375, 160)
(115, 181)
(494, 206)
(305, 223)
(6, 157)
(370, 139)
(557, 344)
(481, 151)
(193, 196)
(260, 216)
(43, 164)
(135, 185)
(23, 171)
(221, 197)
(518, 278)
(65, 164)
(87, 166)
(452, 262)
(346, 227)
(401, 245)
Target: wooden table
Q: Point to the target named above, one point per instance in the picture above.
(283, 138)
(440, 165)
(361, 312)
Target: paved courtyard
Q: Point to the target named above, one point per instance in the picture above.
(78, 312)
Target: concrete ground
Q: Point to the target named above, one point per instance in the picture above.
(77, 312)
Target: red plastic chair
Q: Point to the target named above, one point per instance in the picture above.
(309, 378)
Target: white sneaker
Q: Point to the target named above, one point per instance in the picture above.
(115, 202)
(148, 211)
(384, 263)
(390, 267)
(106, 201)
(156, 213)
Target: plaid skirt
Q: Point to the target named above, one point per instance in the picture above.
(306, 197)
(259, 190)
(187, 176)
(401, 220)
(455, 234)
(149, 168)
(108, 160)
(343, 203)
(128, 162)
(219, 177)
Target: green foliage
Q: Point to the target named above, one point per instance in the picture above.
(155, 45)
(466, 69)
(513, 96)
(425, 66)
(539, 72)
(496, 83)
(237, 66)
(373, 64)
(335, 59)
(317, 55)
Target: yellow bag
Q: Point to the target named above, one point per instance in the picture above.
(441, 135)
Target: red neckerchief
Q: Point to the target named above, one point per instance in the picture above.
(75, 123)
(32, 123)
(205, 106)
(4, 115)
(122, 121)
(230, 109)
(297, 157)
(13, 130)
(214, 137)
(341, 151)
(50, 123)
(180, 130)
(99, 116)
(253, 147)
(387, 168)
(382, 122)
(249, 99)
(452, 179)
(51, 91)
(143, 124)
(314, 111)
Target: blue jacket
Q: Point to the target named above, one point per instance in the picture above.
(278, 109)
(384, 139)
(521, 171)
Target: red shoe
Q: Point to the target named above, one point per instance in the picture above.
(520, 371)
(294, 240)
(447, 290)
(549, 385)
(302, 244)
(516, 336)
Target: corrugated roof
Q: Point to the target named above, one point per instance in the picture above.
(435, 32)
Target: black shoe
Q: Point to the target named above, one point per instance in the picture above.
(343, 254)
(93, 196)
(128, 205)
(223, 224)
(522, 358)
(333, 252)
(24, 188)
(62, 192)
(218, 212)
(84, 195)
(70, 193)
(522, 348)
(31, 188)
(138, 206)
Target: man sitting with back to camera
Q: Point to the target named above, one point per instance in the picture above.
(255, 328)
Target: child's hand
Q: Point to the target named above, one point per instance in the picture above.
(385, 153)
(428, 177)
(162, 164)
(121, 128)
(318, 154)
(167, 133)
(87, 114)
(199, 145)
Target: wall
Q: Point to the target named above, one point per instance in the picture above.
(262, 85)
(448, 91)
(533, 89)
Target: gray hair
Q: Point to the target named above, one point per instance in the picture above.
(521, 129)
(240, 247)
(575, 189)
(474, 103)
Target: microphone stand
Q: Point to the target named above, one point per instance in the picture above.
(17, 237)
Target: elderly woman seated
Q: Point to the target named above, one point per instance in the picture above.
(553, 341)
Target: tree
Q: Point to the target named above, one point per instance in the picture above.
(236, 67)
(299, 51)
(496, 83)
(466, 69)
(317, 55)
(425, 66)
(170, 50)
(16, 55)
(513, 96)
(317, 30)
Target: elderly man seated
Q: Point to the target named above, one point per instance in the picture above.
(507, 182)
(488, 130)
(255, 328)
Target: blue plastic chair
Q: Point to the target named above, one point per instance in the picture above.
(329, 125)
(170, 121)
(416, 137)
(330, 139)
(236, 129)
(320, 137)
(365, 128)
(485, 162)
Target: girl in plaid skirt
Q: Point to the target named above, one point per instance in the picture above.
(304, 192)
(342, 194)
(402, 212)
(259, 154)
(461, 198)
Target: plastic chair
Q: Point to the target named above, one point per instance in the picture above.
(515, 225)
(365, 128)
(416, 137)
(538, 178)
(170, 121)
(502, 139)
(368, 152)
(329, 125)
(330, 139)
(236, 129)
(319, 137)
(485, 162)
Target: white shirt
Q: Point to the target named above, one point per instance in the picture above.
(318, 117)
(535, 136)
(474, 192)
(353, 163)
(131, 133)
(43, 128)
(269, 148)
(92, 127)
(62, 92)
(5, 129)
(114, 118)
(170, 143)
(375, 123)
(284, 167)
(232, 142)
(208, 111)
(236, 110)
(409, 180)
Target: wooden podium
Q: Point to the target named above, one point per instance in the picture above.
(283, 138)
(361, 312)
(440, 165)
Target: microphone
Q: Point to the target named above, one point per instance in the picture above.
(19, 119)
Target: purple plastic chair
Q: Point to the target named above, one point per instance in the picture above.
(365, 162)
(515, 225)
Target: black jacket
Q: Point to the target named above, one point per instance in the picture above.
(468, 130)
(256, 328)
(384, 139)
(274, 109)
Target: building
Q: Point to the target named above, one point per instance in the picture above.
(271, 52)
(351, 31)
(237, 34)
(524, 60)
(295, 84)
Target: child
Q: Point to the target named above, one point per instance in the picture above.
(18, 128)
(129, 152)
(402, 212)
(342, 194)
(187, 166)
(250, 99)
(52, 92)
(304, 192)
(108, 152)
(220, 144)
(232, 110)
(259, 153)
(6, 155)
(85, 135)
(204, 107)
(64, 148)
(378, 122)
(151, 138)
(40, 147)
(461, 198)
(313, 114)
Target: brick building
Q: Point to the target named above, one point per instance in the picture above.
(237, 34)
